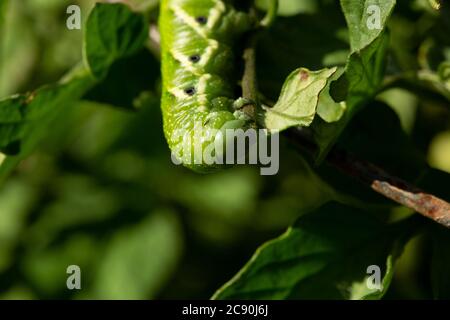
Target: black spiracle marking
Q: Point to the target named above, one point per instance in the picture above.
(201, 19)
(190, 91)
(194, 58)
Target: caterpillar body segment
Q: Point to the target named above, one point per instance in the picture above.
(199, 56)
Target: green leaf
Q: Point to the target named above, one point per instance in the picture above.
(398, 155)
(280, 50)
(362, 78)
(112, 90)
(45, 268)
(444, 72)
(298, 100)
(366, 20)
(113, 31)
(25, 118)
(18, 47)
(364, 72)
(3, 7)
(328, 109)
(139, 259)
(324, 255)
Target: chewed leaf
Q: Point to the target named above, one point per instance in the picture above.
(363, 76)
(298, 101)
(364, 71)
(328, 109)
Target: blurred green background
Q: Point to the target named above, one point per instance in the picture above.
(101, 192)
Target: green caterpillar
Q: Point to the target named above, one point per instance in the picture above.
(198, 48)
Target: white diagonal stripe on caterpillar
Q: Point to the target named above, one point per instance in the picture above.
(215, 13)
(191, 66)
(185, 62)
(201, 90)
(201, 96)
(179, 93)
(212, 47)
(190, 21)
(213, 17)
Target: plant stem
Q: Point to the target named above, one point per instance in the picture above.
(379, 180)
(365, 172)
(249, 85)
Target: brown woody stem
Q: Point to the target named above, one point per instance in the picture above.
(365, 172)
(379, 180)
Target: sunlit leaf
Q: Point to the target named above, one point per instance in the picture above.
(298, 100)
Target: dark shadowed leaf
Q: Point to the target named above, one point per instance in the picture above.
(113, 31)
(303, 40)
(324, 255)
(395, 152)
(362, 77)
(141, 72)
(25, 118)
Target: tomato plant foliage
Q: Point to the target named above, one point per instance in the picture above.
(321, 67)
